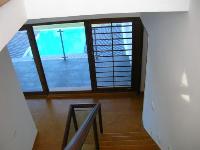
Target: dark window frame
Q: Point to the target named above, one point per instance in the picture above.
(137, 42)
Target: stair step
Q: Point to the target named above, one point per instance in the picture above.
(130, 134)
(119, 138)
(126, 142)
(130, 147)
(134, 132)
(137, 140)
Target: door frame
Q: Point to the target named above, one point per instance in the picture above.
(137, 48)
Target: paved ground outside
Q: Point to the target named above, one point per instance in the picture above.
(72, 74)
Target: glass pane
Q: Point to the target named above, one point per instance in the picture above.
(113, 54)
(21, 55)
(63, 52)
(89, 143)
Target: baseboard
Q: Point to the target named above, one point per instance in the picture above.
(34, 141)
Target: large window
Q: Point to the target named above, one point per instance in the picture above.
(96, 55)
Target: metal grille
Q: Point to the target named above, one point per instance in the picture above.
(112, 48)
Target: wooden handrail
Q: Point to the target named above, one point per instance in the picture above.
(80, 136)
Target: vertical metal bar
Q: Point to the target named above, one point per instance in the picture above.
(113, 56)
(61, 39)
(96, 138)
(90, 52)
(37, 59)
(95, 42)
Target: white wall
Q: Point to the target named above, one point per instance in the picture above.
(12, 17)
(63, 8)
(17, 129)
(172, 97)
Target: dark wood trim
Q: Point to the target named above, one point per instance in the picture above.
(100, 121)
(50, 21)
(96, 138)
(55, 94)
(114, 89)
(88, 32)
(84, 105)
(137, 54)
(61, 20)
(74, 120)
(116, 20)
(37, 59)
(133, 54)
(78, 95)
(24, 27)
(67, 127)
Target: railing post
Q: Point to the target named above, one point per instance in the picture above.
(96, 138)
(80, 136)
(74, 119)
(100, 120)
(67, 128)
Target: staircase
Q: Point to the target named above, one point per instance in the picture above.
(87, 139)
(127, 141)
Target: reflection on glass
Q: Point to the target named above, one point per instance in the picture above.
(20, 52)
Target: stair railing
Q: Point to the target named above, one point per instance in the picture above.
(81, 134)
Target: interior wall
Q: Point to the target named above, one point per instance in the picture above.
(17, 129)
(62, 8)
(172, 97)
(12, 17)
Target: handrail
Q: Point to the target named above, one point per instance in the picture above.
(80, 136)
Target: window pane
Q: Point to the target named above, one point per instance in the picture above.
(63, 52)
(112, 45)
(22, 59)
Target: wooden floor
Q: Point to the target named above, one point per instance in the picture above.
(121, 114)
